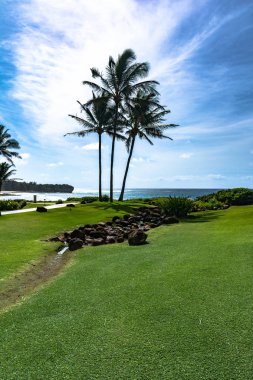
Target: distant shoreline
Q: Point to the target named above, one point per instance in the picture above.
(8, 193)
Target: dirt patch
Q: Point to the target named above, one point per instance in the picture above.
(36, 274)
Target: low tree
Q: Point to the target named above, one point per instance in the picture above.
(144, 118)
(7, 144)
(6, 172)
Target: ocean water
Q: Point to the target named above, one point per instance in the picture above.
(129, 194)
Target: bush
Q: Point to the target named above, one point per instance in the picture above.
(22, 203)
(59, 202)
(8, 205)
(105, 198)
(211, 205)
(237, 196)
(175, 206)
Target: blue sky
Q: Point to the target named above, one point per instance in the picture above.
(200, 51)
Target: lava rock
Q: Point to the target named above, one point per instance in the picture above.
(137, 237)
(75, 244)
(41, 209)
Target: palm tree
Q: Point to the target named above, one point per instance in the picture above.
(118, 84)
(7, 144)
(145, 115)
(98, 119)
(5, 172)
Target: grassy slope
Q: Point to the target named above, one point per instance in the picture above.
(179, 308)
(21, 235)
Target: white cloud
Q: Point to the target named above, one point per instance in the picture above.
(54, 164)
(141, 160)
(91, 146)
(216, 176)
(25, 156)
(61, 40)
(186, 155)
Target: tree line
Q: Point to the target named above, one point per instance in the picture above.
(123, 106)
(35, 187)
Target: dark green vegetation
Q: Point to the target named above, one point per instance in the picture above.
(7, 144)
(122, 102)
(36, 187)
(178, 206)
(237, 196)
(6, 171)
(178, 308)
(9, 205)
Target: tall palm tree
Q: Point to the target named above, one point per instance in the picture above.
(7, 144)
(98, 119)
(119, 83)
(145, 115)
(5, 172)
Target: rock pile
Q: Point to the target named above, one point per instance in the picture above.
(131, 227)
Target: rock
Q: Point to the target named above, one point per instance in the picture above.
(41, 209)
(101, 224)
(89, 241)
(110, 240)
(126, 217)
(170, 220)
(75, 243)
(70, 205)
(98, 241)
(115, 218)
(137, 237)
(97, 234)
(120, 239)
(78, 234)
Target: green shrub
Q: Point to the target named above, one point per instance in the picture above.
(105, 198)
(211, 205)
(59, 202)
(237, 196)
(22, 203)
(8, 205)
(175, 206)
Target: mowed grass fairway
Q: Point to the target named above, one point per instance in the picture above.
(179, 308)
(22, 236)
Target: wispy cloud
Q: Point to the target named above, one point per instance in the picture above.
(186, 156)
(54, 164)
(58, 44)
(91, 146)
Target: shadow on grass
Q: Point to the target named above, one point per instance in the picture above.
(203, 217)
(128, 208)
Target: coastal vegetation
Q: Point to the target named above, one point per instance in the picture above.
(122, 102)
(36, 187)
(237, 196)
(6, 171)
(8, 145)
(179, 307)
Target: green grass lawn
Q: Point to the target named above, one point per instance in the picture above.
(178, 308)
(22, 235)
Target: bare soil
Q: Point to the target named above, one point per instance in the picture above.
(35, 275)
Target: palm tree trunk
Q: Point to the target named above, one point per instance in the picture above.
(126, 171)
(100, 168)
(112, 152)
